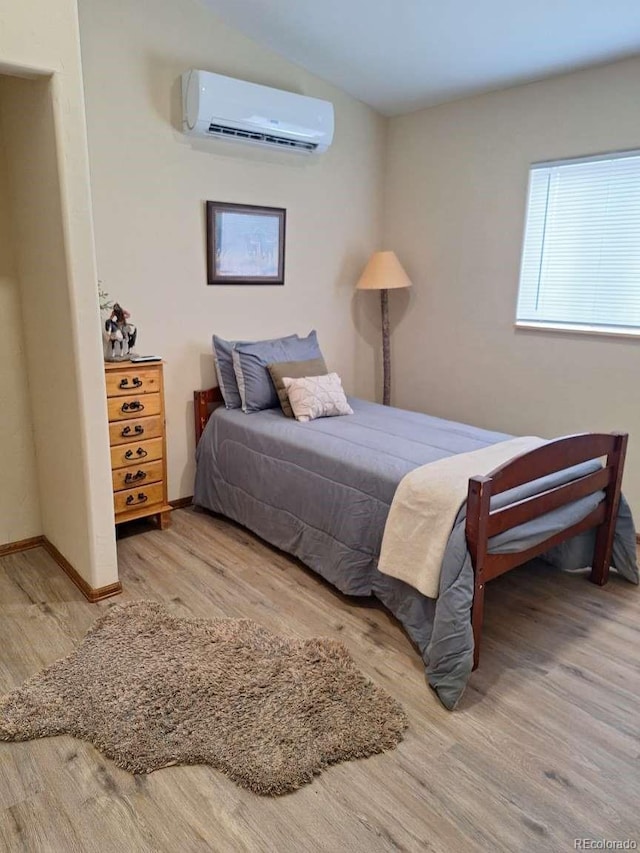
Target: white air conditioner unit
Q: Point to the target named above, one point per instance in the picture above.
(231, 109)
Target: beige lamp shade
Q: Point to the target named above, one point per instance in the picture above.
(383, 272)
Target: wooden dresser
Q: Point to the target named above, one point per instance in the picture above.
(135, 400)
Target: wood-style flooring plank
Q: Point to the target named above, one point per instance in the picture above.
(543, 748)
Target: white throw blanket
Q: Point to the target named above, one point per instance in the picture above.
(425, 507)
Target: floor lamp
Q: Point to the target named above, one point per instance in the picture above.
(384, 272)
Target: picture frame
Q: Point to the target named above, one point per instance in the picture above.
(245, 244)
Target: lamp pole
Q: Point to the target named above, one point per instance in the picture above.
(386, 348)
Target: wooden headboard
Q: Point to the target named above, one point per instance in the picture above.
(203, 401)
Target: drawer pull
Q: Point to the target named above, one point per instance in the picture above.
(133, 478)
(133, 406)
(136, 382)
(138, 430)
(139, 500)
(140, 453)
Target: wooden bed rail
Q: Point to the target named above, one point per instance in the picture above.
(483, 523)
(202, 404)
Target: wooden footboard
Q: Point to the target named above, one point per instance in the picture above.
(483, 523)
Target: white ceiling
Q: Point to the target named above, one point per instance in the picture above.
(401, 55)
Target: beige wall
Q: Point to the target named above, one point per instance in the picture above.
(49, 185)
(19, 503)
(149, 184)
(455, 202)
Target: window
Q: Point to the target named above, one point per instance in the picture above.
(581, 255)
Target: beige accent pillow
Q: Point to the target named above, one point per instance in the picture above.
(316, 397)
(294, 369)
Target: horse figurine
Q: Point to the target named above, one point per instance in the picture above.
(120, 333)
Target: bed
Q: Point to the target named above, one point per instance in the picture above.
(322, 492)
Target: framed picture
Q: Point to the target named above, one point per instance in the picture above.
(245, 244)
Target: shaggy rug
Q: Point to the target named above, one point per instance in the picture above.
(151, 690)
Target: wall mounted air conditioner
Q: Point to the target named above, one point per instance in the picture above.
(231, 109)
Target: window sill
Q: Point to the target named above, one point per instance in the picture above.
(577, 329)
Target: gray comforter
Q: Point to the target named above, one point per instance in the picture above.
(322, 491)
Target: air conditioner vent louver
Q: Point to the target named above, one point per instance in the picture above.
(252, 136)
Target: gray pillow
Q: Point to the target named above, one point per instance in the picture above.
(224, 367)
(250, 361)
(293, 370)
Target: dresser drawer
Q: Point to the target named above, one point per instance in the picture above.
(138, 475)
(121, 432)
(136, 452)
(138, 498)
(125, 408)
(133, 381)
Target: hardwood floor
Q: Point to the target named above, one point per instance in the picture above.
(543, 749)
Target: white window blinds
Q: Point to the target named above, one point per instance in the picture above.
(581, 254)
